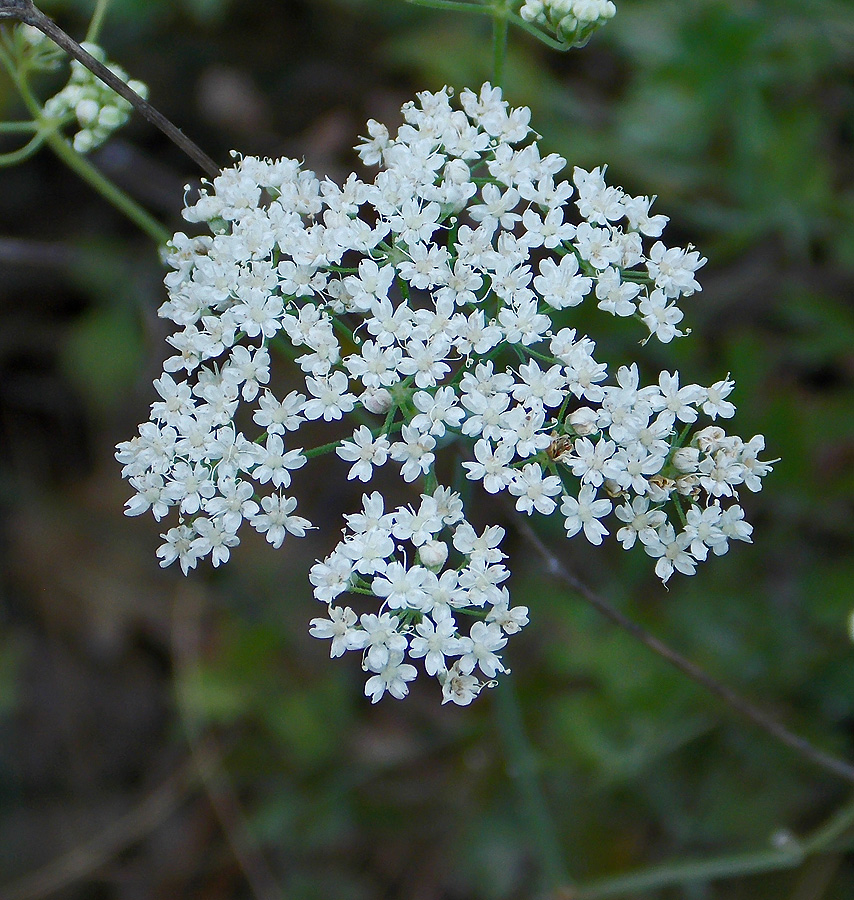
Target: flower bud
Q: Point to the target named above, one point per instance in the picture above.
(457, 172)
(86, 112)
(433, 554)
(376, 400)
(111, 117)
(84, 141)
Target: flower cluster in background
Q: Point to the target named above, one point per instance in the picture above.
(98, 109)
(432, 307)
(572, 22)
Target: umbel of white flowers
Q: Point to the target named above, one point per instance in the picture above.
(431, 307)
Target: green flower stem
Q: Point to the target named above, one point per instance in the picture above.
(431, 483)
(97, 21)
(677, 503)
(348, 333)
(500, 26)
(755, 714)
(535, 354)
(826, 835)
(688, 872)
(730, 866)
(681, 439)
(79, 164)
(17, 156)
(522, 769)
(320, 451)
(109, 191)
(387, 428)
(18, 127)
(389, 419)
(636, 277)
(456, 5)
(539, 35)
(562, 411)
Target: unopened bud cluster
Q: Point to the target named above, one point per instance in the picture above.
(429, 313)
(572, 22)
(98, 109)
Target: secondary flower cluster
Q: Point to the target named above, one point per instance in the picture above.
(571, 21)
(424, 601)
(99, 110)
(430, 307)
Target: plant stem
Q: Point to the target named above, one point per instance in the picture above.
(78, 163)
(757, 716)
(456, 5)
(83, 861)
(729, 866)
(109, 191)
(18, 127)
(499, 42)
(522, 768)
(17, 156)
(25, 11)
(96, 21)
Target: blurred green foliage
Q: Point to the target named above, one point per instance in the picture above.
(739, 114)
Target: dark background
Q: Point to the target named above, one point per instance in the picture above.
(118, 681)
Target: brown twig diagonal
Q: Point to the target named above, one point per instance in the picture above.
(25, 11)
(735, 701)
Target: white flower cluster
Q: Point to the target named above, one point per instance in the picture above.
(430, 307)
(571, 21)
(422, 602)
(99, 110)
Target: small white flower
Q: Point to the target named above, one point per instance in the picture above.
(392, 676)
(338, 627)
(276, 520)
(365, 452)
(585, 512)
(478, 649)
(534, 490)
(670, 549)
(414, 452)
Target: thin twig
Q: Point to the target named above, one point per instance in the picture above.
(26, 12)
(223, 797)
(747, 709)
(88, 857)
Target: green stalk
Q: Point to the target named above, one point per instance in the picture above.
(18, 127)
(456, 5)
(320, 451)
(538, 34)
(729, 866)
(17, 156)
(79, 164)
(431, 483)
(97, 20)
(500, 25)
(109, 191)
